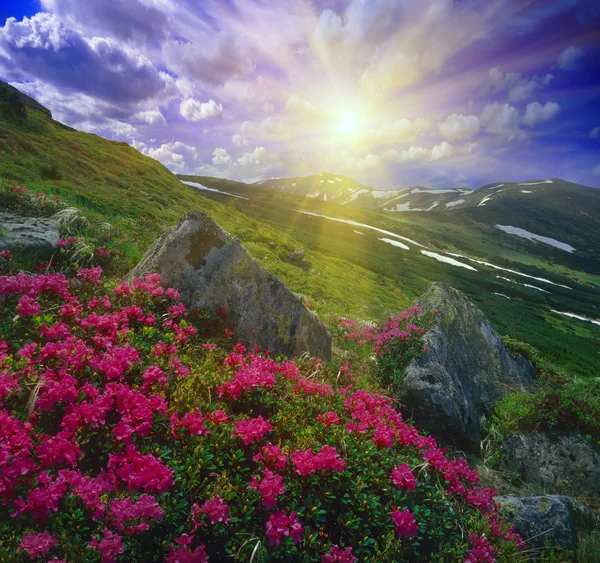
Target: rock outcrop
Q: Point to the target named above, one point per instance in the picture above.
(296, 258)
(211, 269)
(564, 463)
(450, 389)
(548, 520)
(30, 235)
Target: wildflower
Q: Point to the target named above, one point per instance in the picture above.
(306, 463)
(329, 418)
(110, 546)
(403, 478)
(406, 525)
(131, 516)
(252, 429)
(338, 555)
(218, 417)
(5, 254)
(482, 552)
(28, 307)
(184, 555)
(272, 456)
(37, 544)
(192, 421)
(216, 510)
(142, 218)
(270, 487)
(281, 525)
(141, 472)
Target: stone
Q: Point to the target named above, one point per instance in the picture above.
(564, 463)
(451, 389)
(296, 258)
(29, 235)
(547, 520)
(211, 269)
(271, 244)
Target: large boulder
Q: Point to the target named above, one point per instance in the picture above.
(451, 388)
(548, 520)
(211, 269)
(30, 235)
(563, 463)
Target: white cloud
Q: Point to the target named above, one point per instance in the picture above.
(275, 128)
(444, 150)
(240, 141)
(420, 154)
(519, 88)
(151, 117)
(595, 133)
(471, 147)
(368, 161)
(569, 58)
(596, 171)
(255, 157)
(176, 156)
(221, 156)
(194, 110)
(295, 104)
(459, 126)
(502, 120)
(400, 131)
(538, 113)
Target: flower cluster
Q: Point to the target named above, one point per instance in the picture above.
(307, 463)
(281, 525)
(405, 523)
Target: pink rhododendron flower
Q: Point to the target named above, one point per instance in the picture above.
(141, 472)
(306, 463)
(482, 552)
(270, 487)
(281, 525)
(338, 555)
(329, 418)
(132, 516)
(184, 555)
(218, 417)
(28, 307)
(406, 525)
(272, 456)
(403, 478)
(37, 544)
(215, 509)
(252, 429)
(110, 546)
(5, 254)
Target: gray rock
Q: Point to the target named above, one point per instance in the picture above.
(271, 244)
(451, 388)
(556, 462)
(30, 235)
(548, 520)
(296, 258)
(211, 269)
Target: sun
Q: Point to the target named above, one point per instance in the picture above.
(349, 123)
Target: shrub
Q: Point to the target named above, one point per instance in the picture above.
(130, 430)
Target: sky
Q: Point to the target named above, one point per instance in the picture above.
(395, 93)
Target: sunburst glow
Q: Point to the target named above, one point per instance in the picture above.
(350, 123)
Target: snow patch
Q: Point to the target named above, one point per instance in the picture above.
(395, 243)
(507, 270)
(495, 187)
(435, 204)
(530, 236)
(502, 295)
(201, 187)
(447, 260)
(574, 316)
(527, 192)
(455, 203)
(484, 200)
(535, 183)
(294, 184)
(359, 233)
(363, 225)
(356, 194)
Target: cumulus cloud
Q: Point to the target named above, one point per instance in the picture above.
(471, 147)
(459, 126)
(368, 161)
(519, 87)
(194, 110)
(569, 59)
(152, 117)
(240, 141)
(137, 20)
(537, 113)
(41, 47)
(420, 154)
(400, 131)
(275, 128)
(295, 104)
(212, 62)
(176, 156)
(255, 157)
(502, 120)
(221, 156)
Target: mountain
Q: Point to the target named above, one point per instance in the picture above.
(12, 102)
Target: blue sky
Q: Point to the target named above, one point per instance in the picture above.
(394, 93)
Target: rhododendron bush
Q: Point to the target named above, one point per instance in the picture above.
(131, 432)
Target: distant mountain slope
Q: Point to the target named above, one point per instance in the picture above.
(13, 98)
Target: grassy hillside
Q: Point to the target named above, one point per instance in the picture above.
(353, 274)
